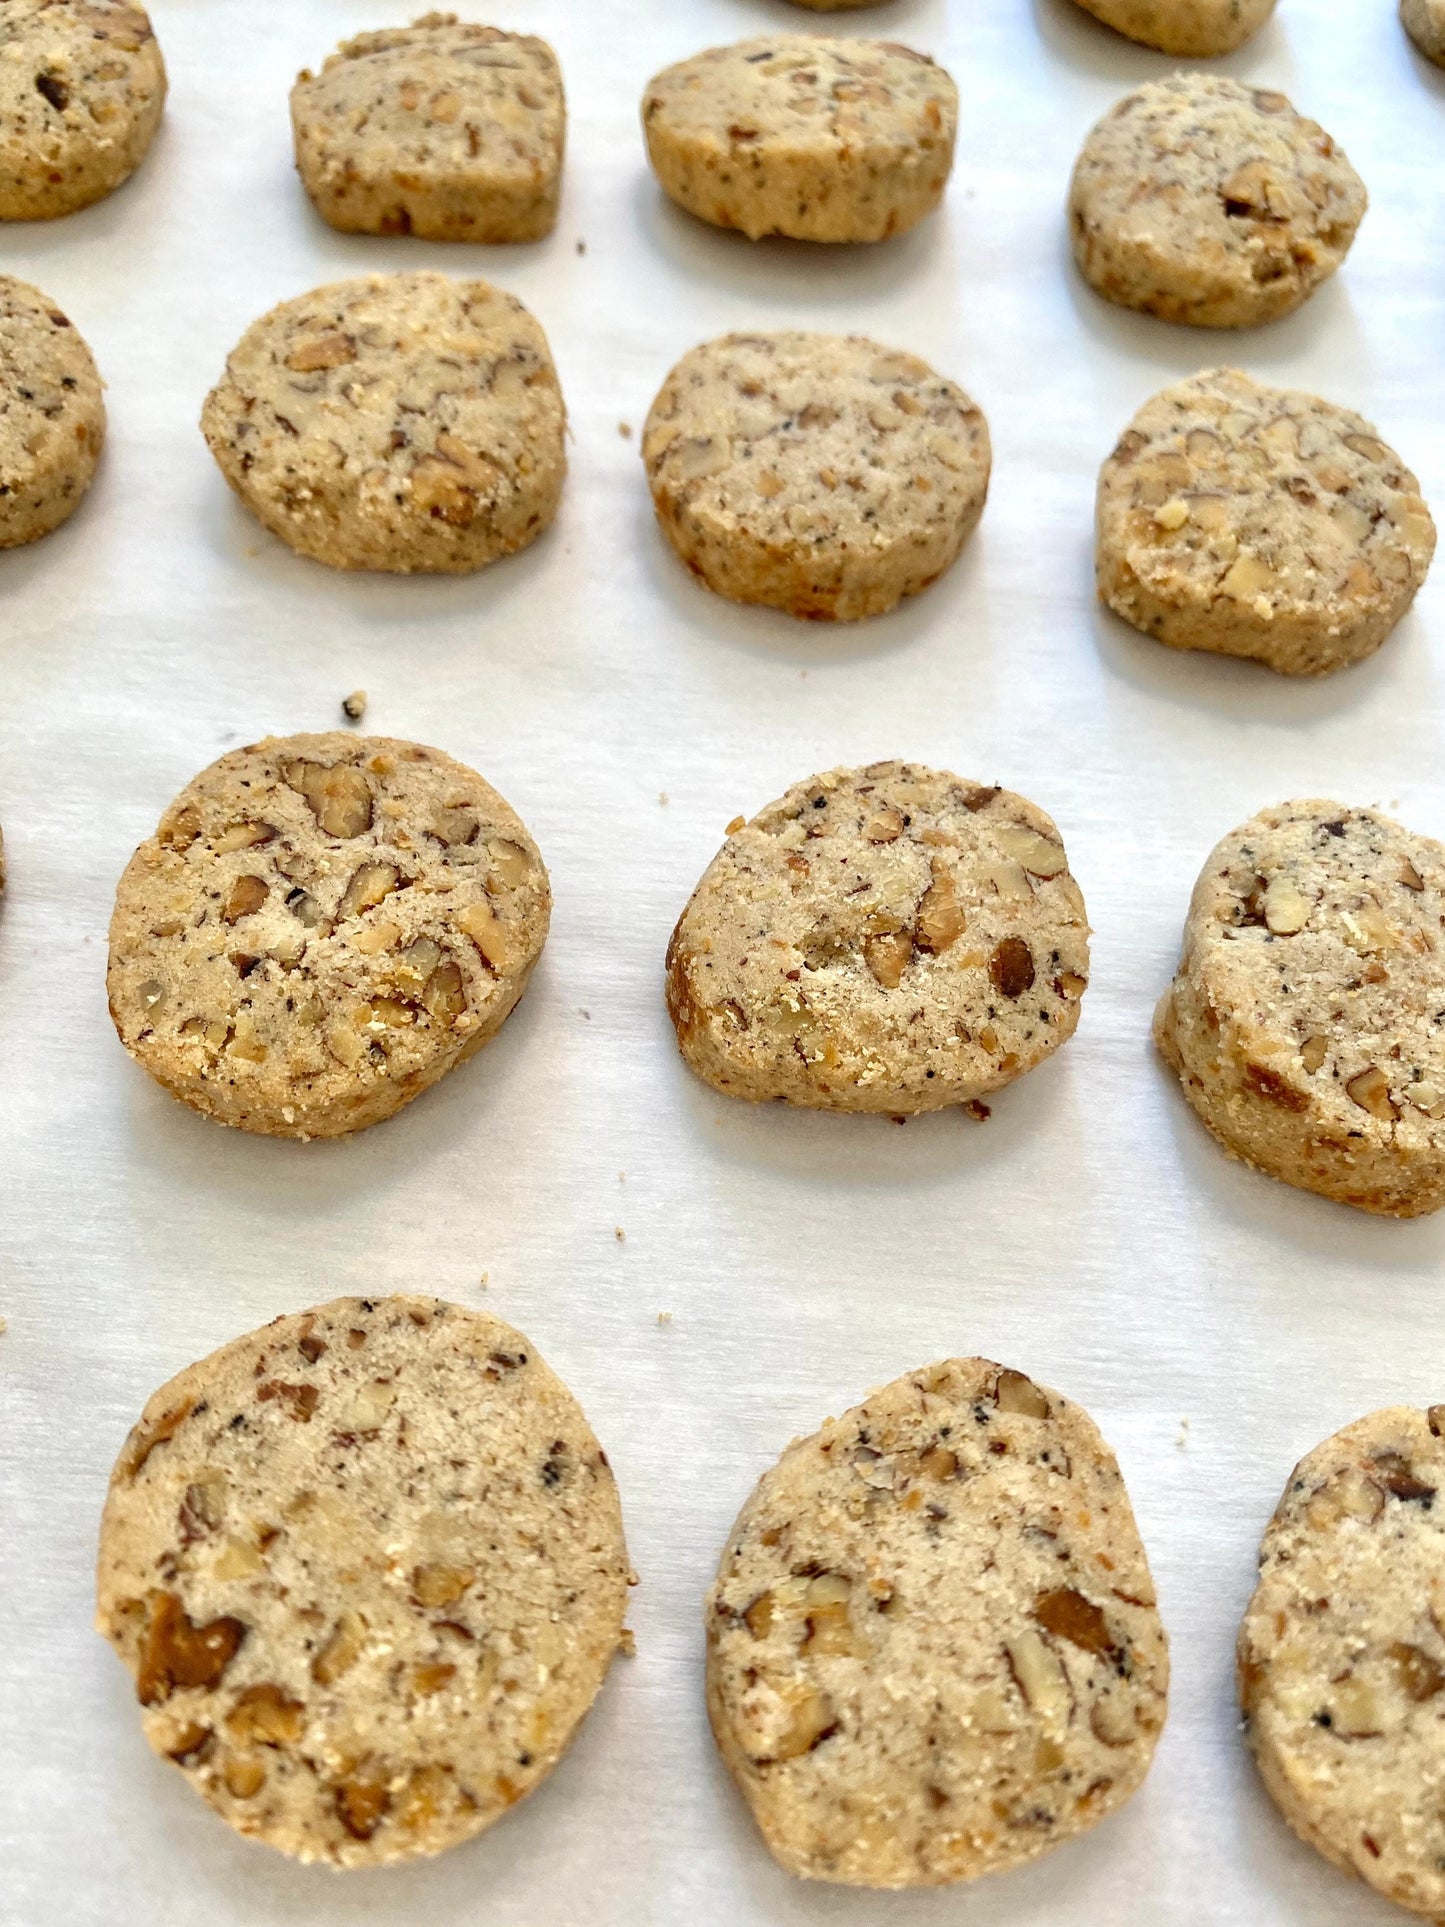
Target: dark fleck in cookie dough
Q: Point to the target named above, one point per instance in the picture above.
(933, 1645)
(321, 927)
(366, 1568)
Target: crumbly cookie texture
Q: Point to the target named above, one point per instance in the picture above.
(1425, 23)
(366, 1569)
(823, 140)
(82, 85)
(1307, 1018)
(1201, 200)
(1342, 1654)
(52, 416)
(1192, 29)
(1259, 522)
(933, 1645)
(321, 927)
(443, 129)
(397, 422)
(890, 939)
(823, 475)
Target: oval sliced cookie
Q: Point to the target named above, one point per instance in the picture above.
(891, 939)
(933, 1645)
(321, 927)
(1192, 29)
(82, 86)
(1261, 522)
(400, 422)
(1342, 1654)
(1202, 200)
(823, 140)
(1424, 21)
(1306, 1021)
(442, 129)
(823, 475)
(366, 1568)
(52, 414)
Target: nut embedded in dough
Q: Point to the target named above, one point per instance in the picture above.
(819, 139)
(836, 962)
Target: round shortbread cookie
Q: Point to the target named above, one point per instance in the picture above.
(1199, 199)
(1342, 1654)
(933, 1645)
(1425, 23)
(399, 422)
(890, 939)
(823, 140)
(52, 415)
(366, 1568)
(1192, 29)
(82, 85)
(835, 6)
(321, 927)
(443, 129)
(823, 475)
(1259, 522)
(1307, 1018)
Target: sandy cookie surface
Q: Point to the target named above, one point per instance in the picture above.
(1192, 29)
(1260, 522)
(442, 129)
(824, 475)
(1424, 21)
(1201, 200)
(820, 139)
(891, 939)
(366, 1568)
(933, 1645)
(52, 415)
(82, 85)
(321, 927)
(1342, 1654)
(399, 422)
(1306, 1020)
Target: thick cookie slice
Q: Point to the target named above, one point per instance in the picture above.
(823, 140)
(933, 1645)
(82, 85)
(52, 417)
(398, 422)
(1194, 29)
(823, 475)
(1199, 199)
(1259, 522)
(1307, 1018)
(366, 1568)
(321, 927)
(1425, 23)
(1342, 1654)
(888, 939)
(442, 129)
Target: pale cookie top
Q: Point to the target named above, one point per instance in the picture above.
(1220, 188)
(1342, 1653)
(892, 930)
(319, 915)
(1317, 934)
(1225, 492)
(390, 415)
(802, 96)
(439, 99)
(51, 410)
(366, 1568)
(814, 443)
(934, 1649)
(77, 78)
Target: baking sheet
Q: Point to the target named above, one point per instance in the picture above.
(1216, 1324)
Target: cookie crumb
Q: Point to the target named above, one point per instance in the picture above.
(485, 1280)
(581, 247)
(664, 1318)
(662, 798)
(619, 1234)
(977, 1110)
(354, 705)
(4, 1326)
(1183, 1438)
(627, 1643)
(624, 429)
(737, 824)
(584, 1013)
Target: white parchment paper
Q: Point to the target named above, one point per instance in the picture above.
(1216, 1324)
